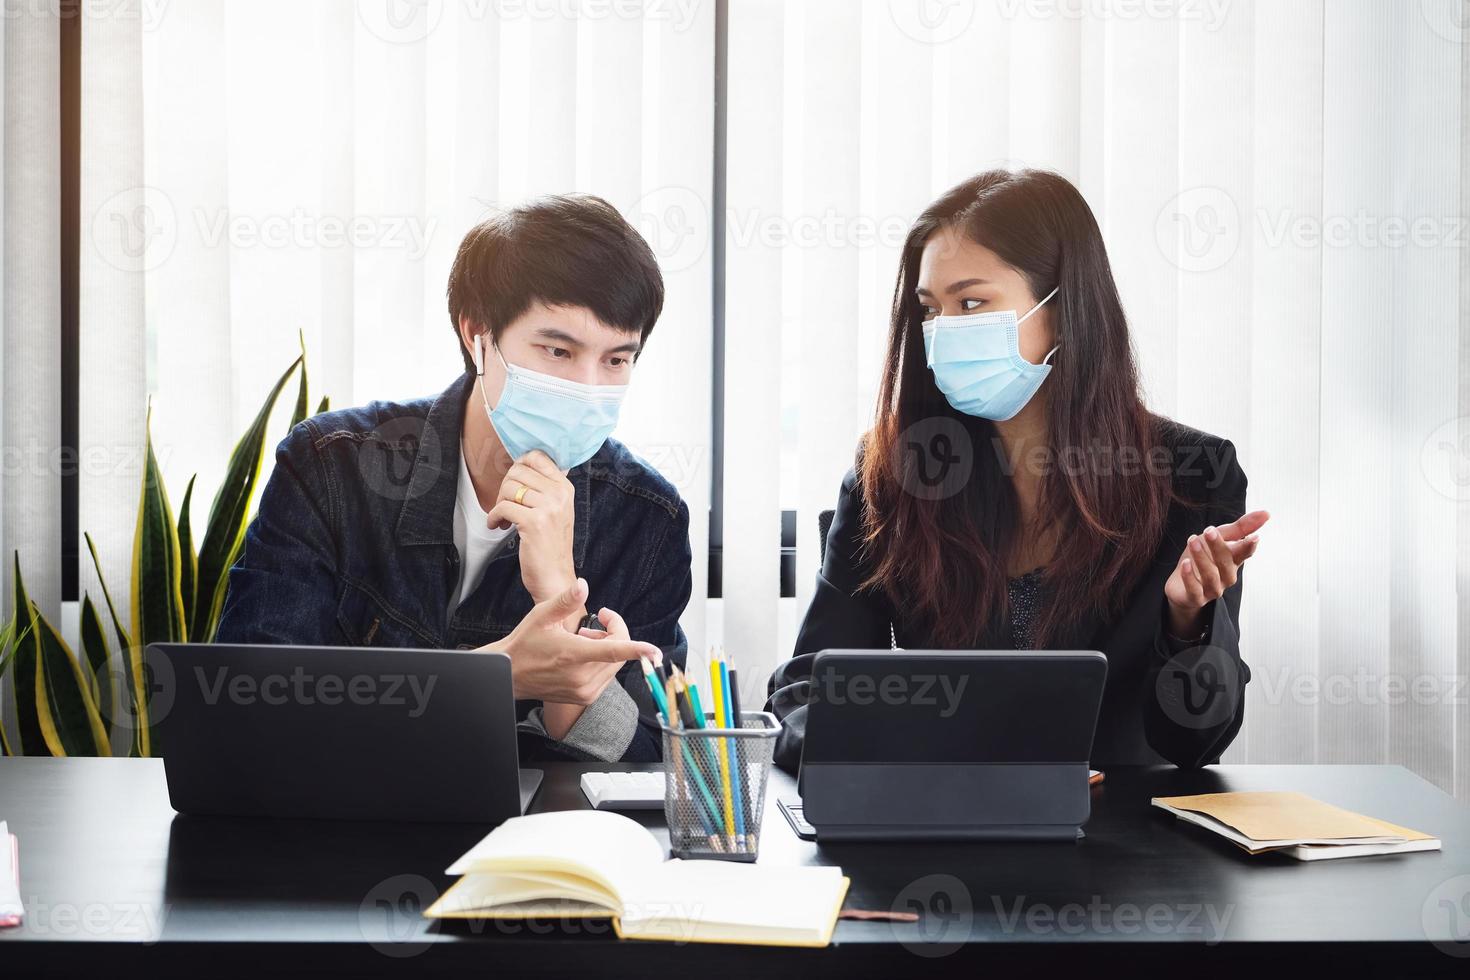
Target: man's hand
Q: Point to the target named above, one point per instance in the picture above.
(550, 664)
(559, 717)
(544, 518)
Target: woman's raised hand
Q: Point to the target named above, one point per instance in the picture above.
(1209, 565)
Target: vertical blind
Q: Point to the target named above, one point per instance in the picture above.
(1282, 188)
(30, 403)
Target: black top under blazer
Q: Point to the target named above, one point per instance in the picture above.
(1186, 714)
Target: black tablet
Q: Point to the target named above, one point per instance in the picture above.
(905, 744)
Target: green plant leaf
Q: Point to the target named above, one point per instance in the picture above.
(9, 642)
(299, 413)
(6, 632)
(99, 662)
(123, 639)
(228, 517)
(188, 560)
(7, 651)
(325, 405)
(24, 669)
(70, 721)
(132, 657)
(158, 605)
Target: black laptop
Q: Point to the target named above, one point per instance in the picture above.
(928, 745)
(346, 733)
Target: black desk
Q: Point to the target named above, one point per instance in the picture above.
(113, 881)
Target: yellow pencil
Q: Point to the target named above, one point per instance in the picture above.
(719, 696)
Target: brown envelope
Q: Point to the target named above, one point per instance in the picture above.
(1288, 817)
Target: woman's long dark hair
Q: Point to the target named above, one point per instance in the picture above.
(944, 561)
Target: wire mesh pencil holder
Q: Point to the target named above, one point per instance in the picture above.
(715, 787)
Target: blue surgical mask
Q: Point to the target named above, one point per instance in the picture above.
(977, 362)
(566, 420)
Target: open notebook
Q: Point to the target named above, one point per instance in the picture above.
(1297, 825)
(594, 863)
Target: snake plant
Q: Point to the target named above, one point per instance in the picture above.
(65, 705)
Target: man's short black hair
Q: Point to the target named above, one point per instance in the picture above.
(560, 250)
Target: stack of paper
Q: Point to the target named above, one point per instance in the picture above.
(1294, 824)
(11, 909)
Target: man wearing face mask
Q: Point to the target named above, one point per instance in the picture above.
(500, 513)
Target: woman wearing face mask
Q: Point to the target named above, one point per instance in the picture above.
(1015, 493)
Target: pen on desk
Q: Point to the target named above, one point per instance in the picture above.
(732, 720)
(723, 747)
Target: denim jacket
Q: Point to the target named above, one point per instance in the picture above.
(353, 545)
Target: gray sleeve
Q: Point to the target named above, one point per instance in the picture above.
(602, 733)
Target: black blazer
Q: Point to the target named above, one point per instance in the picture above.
(1181, 703)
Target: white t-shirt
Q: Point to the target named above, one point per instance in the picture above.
(473, 538)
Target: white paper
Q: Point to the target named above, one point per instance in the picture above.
(10, 904)
(593, 843)
(684, 900)
(1231, 834)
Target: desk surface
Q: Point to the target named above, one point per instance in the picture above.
(111, 877)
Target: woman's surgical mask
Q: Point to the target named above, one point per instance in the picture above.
(567, 420)
(977, 362)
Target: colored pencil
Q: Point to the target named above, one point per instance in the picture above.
(723, 748)
(682, 787)
(732, 720)
(699, 717)
(655, 689)
(694, 770)
(744, 790)
(681, 695)
(698, 705)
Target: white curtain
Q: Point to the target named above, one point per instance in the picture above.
(1282, 187)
